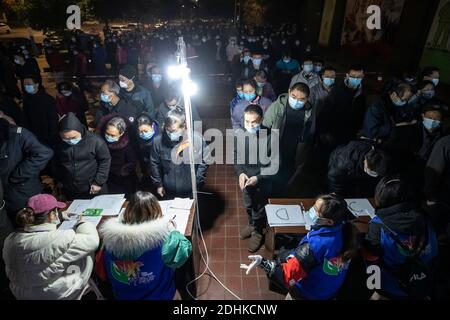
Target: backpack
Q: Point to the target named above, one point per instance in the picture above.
(414, 276)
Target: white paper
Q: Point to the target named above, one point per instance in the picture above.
(70, 224)
(279, 215)
(360, 207)
(184, 204)
(181, 218)
(111, 204)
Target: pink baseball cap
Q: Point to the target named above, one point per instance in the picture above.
(42, 203)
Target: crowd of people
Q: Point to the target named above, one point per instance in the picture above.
(333, 139)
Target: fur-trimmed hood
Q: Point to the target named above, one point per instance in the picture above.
(133, 240)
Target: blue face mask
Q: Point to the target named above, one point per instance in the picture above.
(105, 98)
(249, 96)
(428, 95)
(413, 99)
(72, 142)
(354, 82)
(156, 77)
(246, 59)
(146, 135)
(431, 124)
(308, 68)
(175, 136)
(110, 139)
(312, 213)
(328, 81)
(260, 84)
(435, 82)
(257, 62)
(240, 94)
(254, 129)
(29, 88)
(399, 103)
(296, 104)
(317, 69)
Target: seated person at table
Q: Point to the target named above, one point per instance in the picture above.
(82, 160)
(142, 249)
(38, 256)
(169, 159)
(255, 186)
(317, 268)
(400, 229)
(354, 169)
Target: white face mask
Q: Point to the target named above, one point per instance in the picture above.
(123, 84)
(372, 174)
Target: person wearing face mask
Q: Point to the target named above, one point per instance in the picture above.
(115, 131)
(431, 74)
(426, 92)
(156, 83)
(264, 88)
(318, 65)
(147, 131)
(238, 97)
(321, 91)
(25, 67)
(169, 160)
(343, 113)
(113, 102)
(355, 169)
(40, 110)
(173, 100)
(306, 75)
(38, 255)
(22, 158)
(134, 91)
(255, 186)
(316, 269)
(249, 88)
(232, 50)
(431, 130)
(70, 99)
(256, 64)
(400, 228)
(285, 69)
(380, 119)
(82, 160)
(294, 117)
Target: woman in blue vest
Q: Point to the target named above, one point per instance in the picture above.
(316, 269)
(142, 251)
(399, 229)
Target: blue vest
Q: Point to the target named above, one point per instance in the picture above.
(394, 256)
(144, 278)
(325, 279)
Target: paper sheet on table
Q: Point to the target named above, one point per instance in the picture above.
(70, 224)
(360, 207)
(110, 203)
(181, 218)
(280, 215)
(184, 204)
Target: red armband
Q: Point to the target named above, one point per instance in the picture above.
(293, 272)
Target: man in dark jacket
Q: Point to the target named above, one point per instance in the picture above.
(82, 160)
(113, 102)
(156, 84)
(40, 112)
(295, 118)
(169, 160)
(25, 67)
(354, 169)
(172, 100)
(254, 184)
(22, 158)
(133, 91)
(344, 110)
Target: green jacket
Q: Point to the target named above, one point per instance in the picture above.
(275, 116)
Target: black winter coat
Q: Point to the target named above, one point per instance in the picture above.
(176, 178)
(437, 172)
(126, 108)
(346, 175)
(22, 158)
(42, 117)
(84, 164)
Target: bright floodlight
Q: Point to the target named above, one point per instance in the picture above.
(176, 72)
(190, 88)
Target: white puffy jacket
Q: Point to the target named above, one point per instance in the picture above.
(45, 263)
